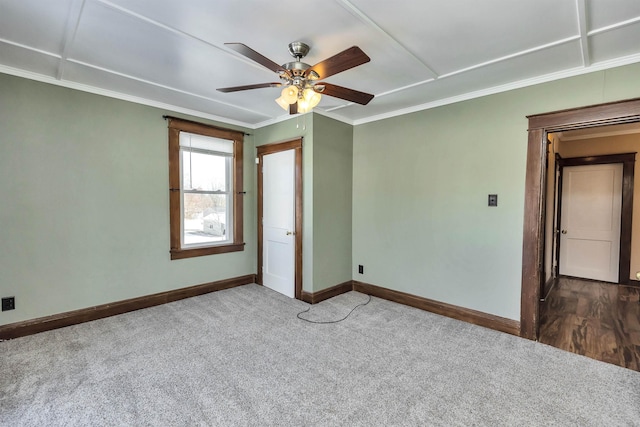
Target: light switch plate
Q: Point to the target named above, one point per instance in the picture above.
(493, 200)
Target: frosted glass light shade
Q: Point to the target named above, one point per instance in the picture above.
(283, 103)
(290, 94)
(312, 97)
(303, 106)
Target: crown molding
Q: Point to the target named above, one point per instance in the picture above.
(572, 72)
(119, 95)
(600, 66)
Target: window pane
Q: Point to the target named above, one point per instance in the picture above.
(205, 219)
(206, 172)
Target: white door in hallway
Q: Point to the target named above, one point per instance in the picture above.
(278, 222)
(590, 221)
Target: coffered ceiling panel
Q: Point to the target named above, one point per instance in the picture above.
(603, 13)
(423, 53)
(35, 23)
(19, 58)
(613, 44)
(183, 100)
(458, 34)
(459, 85)
(110, 39)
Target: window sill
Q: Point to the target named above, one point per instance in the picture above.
(210, 250)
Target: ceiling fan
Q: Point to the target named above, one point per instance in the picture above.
(302, 90)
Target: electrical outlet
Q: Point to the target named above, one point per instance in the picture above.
(8, 303)
(361, 269)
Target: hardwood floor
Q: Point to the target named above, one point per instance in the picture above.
(597, 320)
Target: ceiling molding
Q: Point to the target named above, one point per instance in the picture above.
(73, 22)
(473, 67)
(162, 86)
(351, 8)
(380, 95)
(333, 116)
(632, 59)
(584, 38)
(511, 56)
(614, 26)
(121, 96)
(175, 54)
(154, 22)
(287, 117)
(29, 48)
(171, 88)
(601, 66)
(179, 32)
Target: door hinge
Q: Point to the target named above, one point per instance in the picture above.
(257, 160)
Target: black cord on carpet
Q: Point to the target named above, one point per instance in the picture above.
(331, 321)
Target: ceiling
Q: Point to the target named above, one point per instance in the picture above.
(424, 53)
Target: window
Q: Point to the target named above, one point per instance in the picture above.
(205, 189)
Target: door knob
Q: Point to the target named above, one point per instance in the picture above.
(564, 231)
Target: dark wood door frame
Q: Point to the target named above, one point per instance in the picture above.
(543, 281)
(628, 161)
(263, 150)
(557, 197)
(535, 188)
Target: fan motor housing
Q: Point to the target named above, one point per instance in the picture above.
(297, 68)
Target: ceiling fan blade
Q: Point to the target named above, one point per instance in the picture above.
(247, 87)
(344, 60)
(344, 93)
(255, 56)
(293, 108)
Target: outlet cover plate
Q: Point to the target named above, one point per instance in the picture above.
(8, 303)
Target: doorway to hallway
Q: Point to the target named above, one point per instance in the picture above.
(535, 215)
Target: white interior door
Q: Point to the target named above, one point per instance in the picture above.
(278, 222)
(590, 221)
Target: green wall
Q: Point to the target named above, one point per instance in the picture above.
(327, 152)
(85, 216)
(85, 209)
(332, 201)
(421, 223)
(300, 126)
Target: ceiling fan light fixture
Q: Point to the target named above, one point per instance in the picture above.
(290, 94)
(303, 106)
(312, 97)
(283, 103)
(300, 90)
